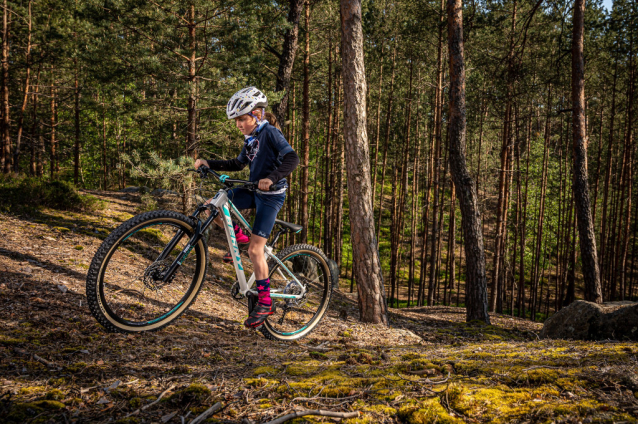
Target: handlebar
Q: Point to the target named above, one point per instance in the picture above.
(203, 171)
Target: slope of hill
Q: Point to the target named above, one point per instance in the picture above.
(58, 365)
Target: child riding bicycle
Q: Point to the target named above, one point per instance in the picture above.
(271, 159)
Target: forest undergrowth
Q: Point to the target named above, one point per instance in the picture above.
(58, 365)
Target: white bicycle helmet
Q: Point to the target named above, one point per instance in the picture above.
(245, 101)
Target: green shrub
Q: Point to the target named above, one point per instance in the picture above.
(19, 195)
(147, 203)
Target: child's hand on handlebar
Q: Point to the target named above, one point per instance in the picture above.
(264, 184)
(200, 162)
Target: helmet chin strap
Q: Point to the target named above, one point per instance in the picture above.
(257, 120)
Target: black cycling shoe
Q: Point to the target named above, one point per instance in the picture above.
(228, 258)
(258, 315)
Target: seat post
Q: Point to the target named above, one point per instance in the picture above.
(280, 231)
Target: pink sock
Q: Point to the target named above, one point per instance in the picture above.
(263, 288)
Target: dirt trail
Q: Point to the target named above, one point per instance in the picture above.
(58, 365)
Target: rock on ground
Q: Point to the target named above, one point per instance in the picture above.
(584, 320)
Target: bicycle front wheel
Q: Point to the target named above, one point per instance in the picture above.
(125, 287)
(296, 318)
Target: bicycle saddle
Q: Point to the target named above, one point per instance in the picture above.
(295, 228)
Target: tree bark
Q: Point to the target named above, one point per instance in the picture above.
(104, 170)
(305, 141)
(6, 123)
(54, 143)
(436, 162)
(191, 126)
(367, 266)
(376, 134)
(34, 125)
(591, 275)
(501, 211)
(476, 286)
(25, 98)
(76, 147)
(388, 121)
(287, 59)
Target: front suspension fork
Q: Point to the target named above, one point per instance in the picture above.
(181, 257)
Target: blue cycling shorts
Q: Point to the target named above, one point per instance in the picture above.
(267, 206)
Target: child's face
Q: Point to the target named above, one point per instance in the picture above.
(246, 124)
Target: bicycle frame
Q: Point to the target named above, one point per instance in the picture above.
(222, 204)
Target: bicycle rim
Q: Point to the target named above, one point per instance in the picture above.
(295, 318)
(131, 294)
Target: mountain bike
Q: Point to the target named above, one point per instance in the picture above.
(151, 268)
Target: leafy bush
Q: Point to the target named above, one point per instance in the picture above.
(19, 195)
(147, 203)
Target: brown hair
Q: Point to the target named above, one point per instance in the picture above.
(272, 120)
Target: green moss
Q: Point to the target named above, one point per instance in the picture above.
(57, 382)
(23, 412)
(6, 340)
(180, 369)
(73, 401)
(410, 356)
(298, 370)
(265, 370)
(54, 394)
(319, 355)
(78, 247)
(135, 402)
(264, 404)
(364, 358)
(427, 412)
(27, 391)
(62, 229)
(196, 392)
(258, 382)
(78, 366)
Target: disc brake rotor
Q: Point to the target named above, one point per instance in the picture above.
(295, 288)
(153, 275)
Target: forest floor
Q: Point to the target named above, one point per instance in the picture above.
(57, 364)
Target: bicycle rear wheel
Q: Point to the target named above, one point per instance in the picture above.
(124, 287)
(296, 318)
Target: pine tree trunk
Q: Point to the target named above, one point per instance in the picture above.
(394, 229)
(501, 211)
(54, 153)
(326, 159)
(34, 125)
(104, 170)
(388, 121)
(434, 242)
(598, 161)
(451, 246)
(191, 127)
(39, 166)
(76, 115)
(376, 143)
(428, 176)
(25, 98)
(521, 276)
(415, 198)
(629, 148)
(6, 123)
(339, 196)
(476, 286)
(608, 170)
(588, 252)
(287, 58)
(305, 153)
(367, 266)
